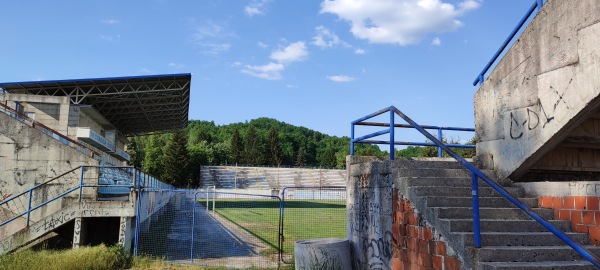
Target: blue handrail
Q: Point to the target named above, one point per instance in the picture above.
(477, 174)
(391, 126)
(536, 4)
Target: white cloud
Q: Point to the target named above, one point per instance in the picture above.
(341, 78)
(270, 71)
(110, 21)
(257, 7)
(176, 65)
(359, 51)
(211, 38)
(436, 42)
(402, 22)
(110, 38)
(292, 53)
(146, 71)
(291, 86)
(325, 38)
(262, 45)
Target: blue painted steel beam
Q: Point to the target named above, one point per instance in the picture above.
(595, 260)
(371, 115)
(375, 134)
(479, 78)
(415, 143)
(409, 126)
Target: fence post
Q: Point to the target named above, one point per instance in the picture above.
(392, 140)
(440, 138)
(193, 226)
(29, 206)
(475, 200)
(81, 183)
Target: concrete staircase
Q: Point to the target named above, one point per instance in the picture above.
(441, 192)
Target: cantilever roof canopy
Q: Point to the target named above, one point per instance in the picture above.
(134, 105)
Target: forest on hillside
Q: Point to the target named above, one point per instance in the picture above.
(176, 157)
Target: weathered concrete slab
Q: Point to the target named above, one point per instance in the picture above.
(546, 86)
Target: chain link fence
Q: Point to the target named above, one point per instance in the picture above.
(309, 213)
(234, 231)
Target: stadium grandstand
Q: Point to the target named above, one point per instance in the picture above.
(63, 150)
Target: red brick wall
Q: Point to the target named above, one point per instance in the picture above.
(414, 245)
(582, 211)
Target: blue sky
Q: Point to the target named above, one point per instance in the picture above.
(313, 63)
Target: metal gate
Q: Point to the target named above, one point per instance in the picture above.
(209, 228)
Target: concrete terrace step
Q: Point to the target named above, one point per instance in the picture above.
(498, 202)
(501, 225)
(523, 238)
(555, 265)
(438, 181)
(446, 191)
(428, 172)
(432, 164)
(530, 254)
(490, 213)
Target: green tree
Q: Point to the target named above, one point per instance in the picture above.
(252, 147)
(199, 155)
(177, 160)
(153, 159)
(135, 152)
(329, 159)
(236, 147)
(301, 157)
(274, 148)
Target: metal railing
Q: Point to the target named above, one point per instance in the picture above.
(477, 174)
(107, 179)
(391, 126)
(537, 4)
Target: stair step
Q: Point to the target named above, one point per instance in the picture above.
(432, 164)
(530, 254)
(448, 191)
(490, 213)
(498, 202)
(438, 181)
(500, 225)
(427, 172)
(556, 265)
(523, 239)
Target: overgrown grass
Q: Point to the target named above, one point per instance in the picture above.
(92, 258)
(303, 219)
(89, 258)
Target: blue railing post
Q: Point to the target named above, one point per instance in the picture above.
(29, 206)
(352, 139)
(540, 4)
(392, 140)
(475, 202)
(137, 224)
(81, 183)
(440, 138)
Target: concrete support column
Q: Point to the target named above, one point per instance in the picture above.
(126, 232)
(63, 115)
(78, 233)
(369, 215)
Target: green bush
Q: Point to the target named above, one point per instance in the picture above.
(92, 258)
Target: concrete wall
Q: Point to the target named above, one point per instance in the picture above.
(384, 230)
(29, 157)
(51, 111)
(546, 86)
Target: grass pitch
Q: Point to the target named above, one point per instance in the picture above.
(303, 219)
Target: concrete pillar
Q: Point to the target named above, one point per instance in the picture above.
(126, 232)
(369, 214)
(78, 233)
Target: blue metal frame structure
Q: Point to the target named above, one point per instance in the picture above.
(537, 4)
(390, 129)
(477, 174)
